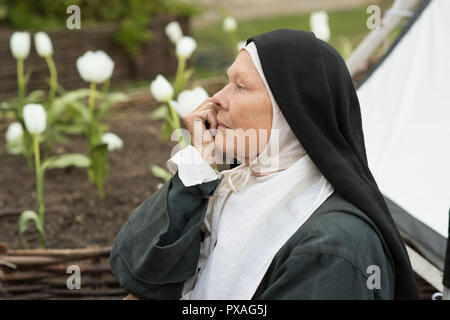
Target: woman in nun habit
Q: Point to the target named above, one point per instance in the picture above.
(299, 217)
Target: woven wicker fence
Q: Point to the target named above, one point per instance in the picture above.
(153, 58)
(42, 274)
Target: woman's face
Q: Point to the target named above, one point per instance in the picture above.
(244, 111)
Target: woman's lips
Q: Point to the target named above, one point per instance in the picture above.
(220, 124)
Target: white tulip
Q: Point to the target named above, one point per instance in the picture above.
(35, 118)
(95, 66)
(185, 47)
(43, 44)
(318, 22)
(229, 24)
(20, 44)
(241, 45)
(112, 141)
(14, 132)
(189, 100)
(161, 89)
(174, 32)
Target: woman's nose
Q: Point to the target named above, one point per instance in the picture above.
(220, 99)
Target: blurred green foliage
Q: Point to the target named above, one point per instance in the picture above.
(132, 15)
(348, 27)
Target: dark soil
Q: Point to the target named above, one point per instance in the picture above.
(75, 215)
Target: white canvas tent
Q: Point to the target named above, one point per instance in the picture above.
(405, 106)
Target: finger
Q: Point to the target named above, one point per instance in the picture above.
(198, 130)
(211, 117)
(207, 137)
(203, 105)
(206, 105)
(203, 117)
(206, 116)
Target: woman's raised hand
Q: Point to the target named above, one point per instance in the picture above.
(200, 122)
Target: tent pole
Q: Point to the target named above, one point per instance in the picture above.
(376, 37)
(425, 269)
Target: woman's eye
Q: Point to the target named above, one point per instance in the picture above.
(240, 87)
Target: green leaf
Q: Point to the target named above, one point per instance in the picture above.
(6, 106)
(71, 98)
(53, 135)
(166, 131)
(12, 108)
(82, 110)
(74, 128)
(59, 138)
(161, 173)
(188, 74)
(66, 160)
(103, 127)
(26, 77)
(35, 96)
(23, 222)
(161, 112)
(29, 215)
(111, 99)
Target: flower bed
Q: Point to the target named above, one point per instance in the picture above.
(76, 216)
(77, 219)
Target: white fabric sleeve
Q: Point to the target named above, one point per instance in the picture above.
(192, 168)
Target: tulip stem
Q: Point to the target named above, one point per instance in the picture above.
(92, 98)
(106, 85)
(39, 187)
(96, 174)
(175, 122)
(91, 115)
(20, 82)
(179, 76)
(21, 92)
(53, 79)
(174, 116)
